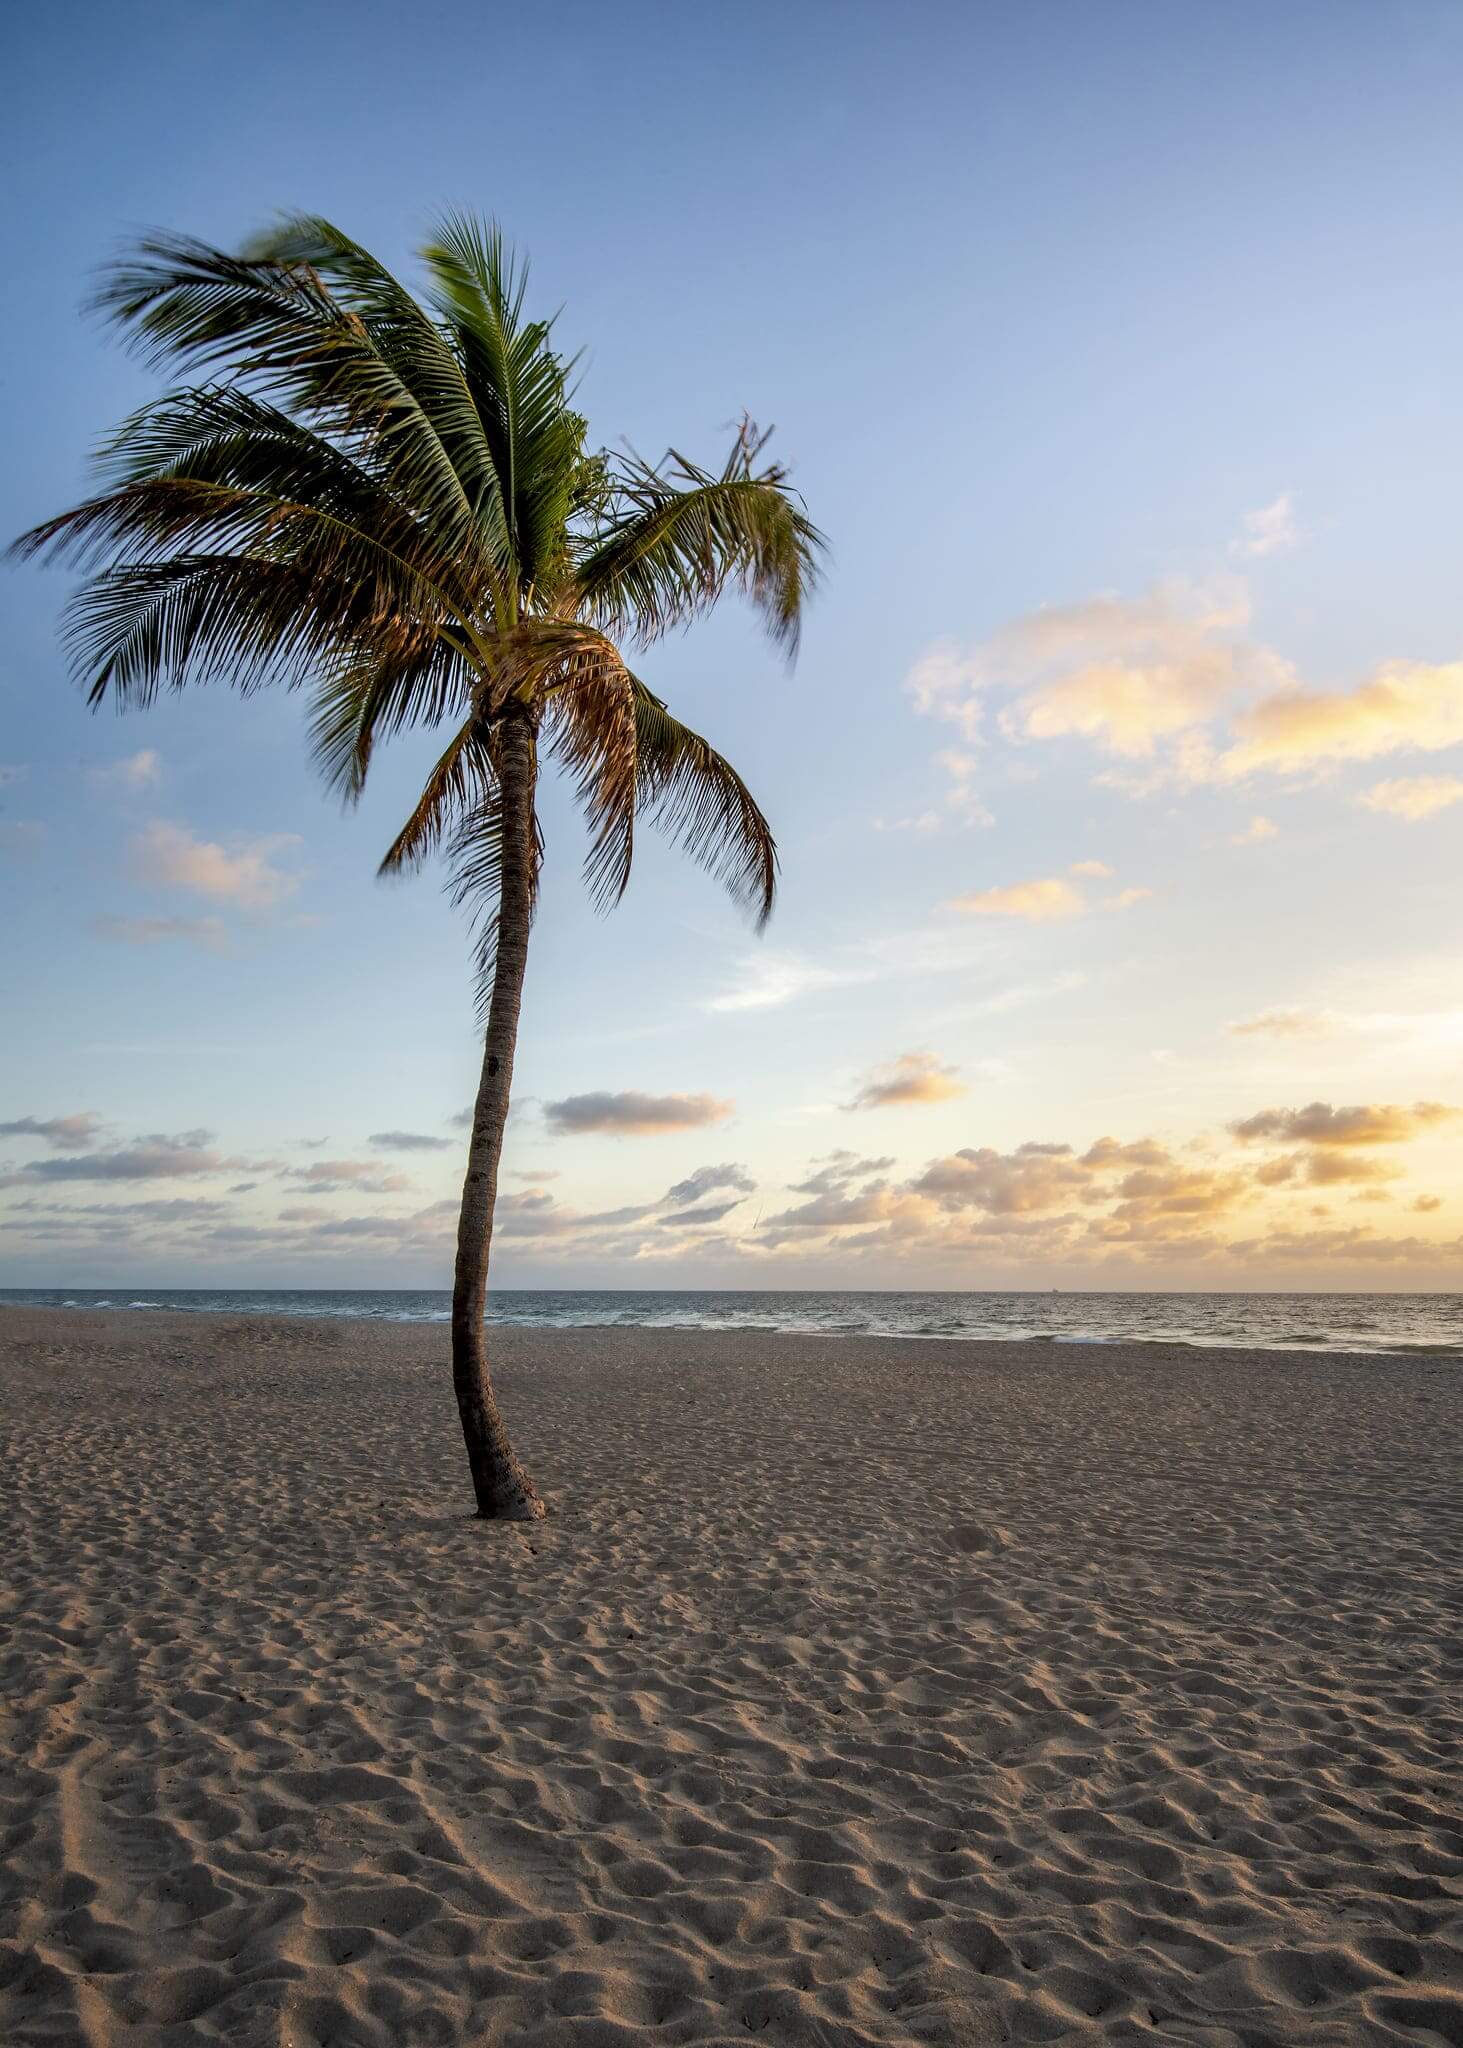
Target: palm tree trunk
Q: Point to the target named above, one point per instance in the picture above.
(504, 1490)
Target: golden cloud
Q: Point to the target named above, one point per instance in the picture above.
(913, 1077)
(1404, 705)
(1414, 797)
(1159, 677)
(1038, 902)
(1373, 1123)
(1283, 1024)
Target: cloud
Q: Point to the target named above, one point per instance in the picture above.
(919, 821)
(244, 874)
(1122, 672)
(768, 980)
(1403, 706)
(1414, 797)
(1091, 870)
(1328, 1167)
(1426, 1203)
(836, 1170)
(1272, 530)
(961, 800)
(155, 1157)
(1126, 673)
(1321, 1166)
(330, 1176)
(628, 1231)
(1110, 1155)
(74, 1133)
(1126, 898)
(210, 933)
(1032, 1178)
(11, 772)
(1377, 1123)
(1300, 1247)
(630, 1114)
(1255, 833)
(1042, 1200)
(1038, 902)
(707, 1180)
(536, 1174)
(943, 684)
(877, 1203)
(142, 770)
(408, 1141)
(1045, 1204)
(1171, 678)
(962, 804)
(912, 1077)
(1294, 1023)
(696, 1219)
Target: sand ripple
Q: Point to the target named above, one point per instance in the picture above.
(855, 1693)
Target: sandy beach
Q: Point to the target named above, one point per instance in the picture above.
(856, 1692)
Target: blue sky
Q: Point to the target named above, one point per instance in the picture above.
(1115, 349)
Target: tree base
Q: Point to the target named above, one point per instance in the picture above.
(523, 1508)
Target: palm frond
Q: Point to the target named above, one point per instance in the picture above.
(696, 797)
(236, 536)
(208, 574)
(417, 349)
(475, 862)
(677, 536)
(196, 618)
(366, 695)
(275, 326)
(589, 720)
(519, 387)
(463, 783)
(390, 501)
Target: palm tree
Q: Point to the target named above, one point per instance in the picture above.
(391, 502)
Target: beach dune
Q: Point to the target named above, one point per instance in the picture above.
(856, 1692)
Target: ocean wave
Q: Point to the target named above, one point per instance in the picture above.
(1378, 1324)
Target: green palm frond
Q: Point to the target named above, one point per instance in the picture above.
(589, 719)
(275, 326)
(236, 536)
(677, 536)
(201, 618)
(418, 351)
(388, 500)
(519, 387)
(200, 577)
(365, 695)
(692, 794)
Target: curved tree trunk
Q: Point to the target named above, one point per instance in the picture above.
(504, 1490)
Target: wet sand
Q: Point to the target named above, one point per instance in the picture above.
(856, 1692)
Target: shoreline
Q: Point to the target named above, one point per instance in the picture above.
(852, 1695)
(1287, 1346)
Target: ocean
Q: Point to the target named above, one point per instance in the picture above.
(1321, 1322)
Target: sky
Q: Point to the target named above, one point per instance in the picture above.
(1119, 781)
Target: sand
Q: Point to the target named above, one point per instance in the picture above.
(857, 1692)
